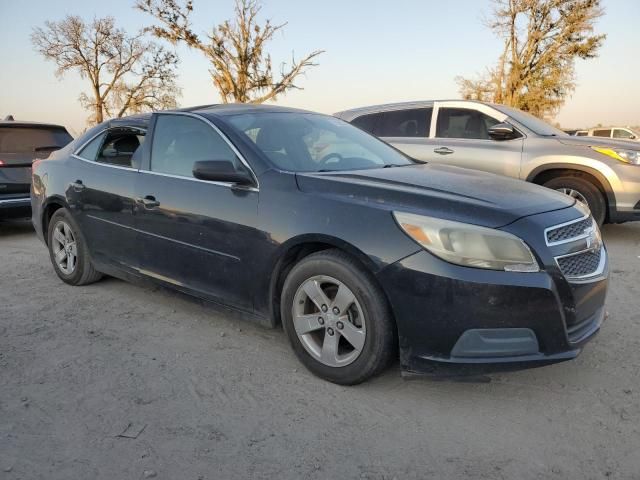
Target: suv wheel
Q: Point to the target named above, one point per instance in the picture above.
(68, 250)
(336, 318)
(583, 191)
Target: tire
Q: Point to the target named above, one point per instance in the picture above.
(367, 319)
(594, 197)
(79, 271)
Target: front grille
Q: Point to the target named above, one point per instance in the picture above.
(570, 231)
(580, 264)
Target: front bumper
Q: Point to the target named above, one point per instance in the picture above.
(450, 314)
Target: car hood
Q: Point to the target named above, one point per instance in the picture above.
(441, 191)
(598, 142)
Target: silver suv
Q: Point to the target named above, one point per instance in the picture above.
(602, 173)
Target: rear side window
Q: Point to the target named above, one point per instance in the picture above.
(32, 140)
(464, 123)
(119, 146)
(367, 122)
(179, 141)
(602, 133)
(405, 123)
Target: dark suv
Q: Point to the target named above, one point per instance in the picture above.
(20, 144)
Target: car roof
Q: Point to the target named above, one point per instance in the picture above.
(238, 108)
(353, 112)
(142, 119)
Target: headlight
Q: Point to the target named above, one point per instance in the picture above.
(468, 245)
(621, 154)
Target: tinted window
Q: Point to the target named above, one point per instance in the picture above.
(30, 140)
(602, 133)
(179, 141)
(90, 151)
(620, 133)
(307, 142)
(463, 123)
(367, 122)
(581, 134)
(405, 123)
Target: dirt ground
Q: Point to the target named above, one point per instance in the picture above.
(210, 397)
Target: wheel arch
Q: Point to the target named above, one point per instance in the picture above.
(546, 172)
(294, 250)
(49, 207)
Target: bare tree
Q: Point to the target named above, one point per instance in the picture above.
(126, 73)
(542, 39)
(241, 69)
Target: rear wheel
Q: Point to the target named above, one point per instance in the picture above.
(68, 250)
(336, 318)
(583, 191)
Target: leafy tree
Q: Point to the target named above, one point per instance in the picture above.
(542, 39)
(240, 67)
(126, 73)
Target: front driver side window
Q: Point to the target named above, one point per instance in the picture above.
(180, 140)
(464, 123)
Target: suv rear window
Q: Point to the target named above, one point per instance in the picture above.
(30, 139)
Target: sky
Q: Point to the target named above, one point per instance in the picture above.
(376, 51)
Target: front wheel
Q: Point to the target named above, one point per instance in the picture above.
(68, 250)
(336, 318)
(583, 191)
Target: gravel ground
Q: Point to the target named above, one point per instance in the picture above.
(205, 396)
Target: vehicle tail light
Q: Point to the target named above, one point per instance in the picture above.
(1, 163)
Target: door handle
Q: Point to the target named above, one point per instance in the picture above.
(78, 186)
(149, 201)
(443, 151)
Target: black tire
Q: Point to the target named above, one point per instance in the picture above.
(380, 340)
(594, 197)
(84, 272)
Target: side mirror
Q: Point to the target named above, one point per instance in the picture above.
(220, 171)
(502, 131)
(632, 137)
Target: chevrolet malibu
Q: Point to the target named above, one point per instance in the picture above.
(361, 253)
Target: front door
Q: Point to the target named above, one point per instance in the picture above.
(194, 234)
(460, 137)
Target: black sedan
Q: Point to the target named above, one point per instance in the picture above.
(302, 219)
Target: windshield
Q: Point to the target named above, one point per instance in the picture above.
(307, 142)
(537, 126)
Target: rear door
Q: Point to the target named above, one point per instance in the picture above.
(601, 132)
(101, 193)
(19, 146)
(197, 235)
(407, 130)
(461, 138)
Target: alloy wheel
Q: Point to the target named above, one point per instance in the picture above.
(329, 321)
(65, 250)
